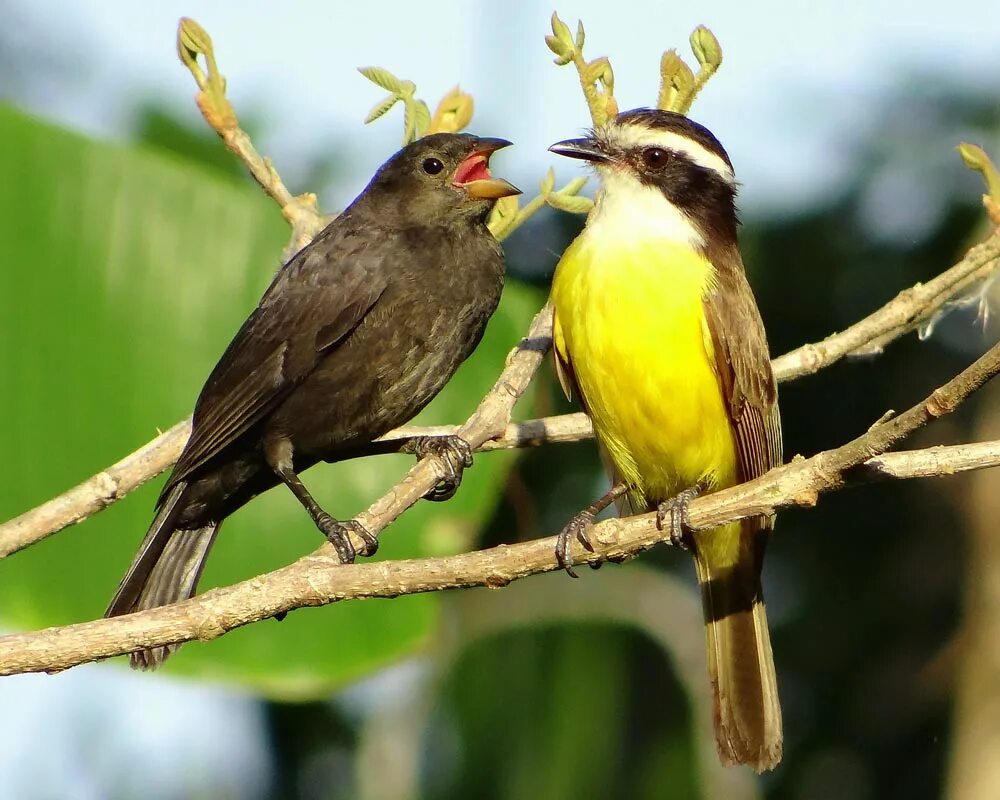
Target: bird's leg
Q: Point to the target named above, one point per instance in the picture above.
(455, 454)
(675, 511)
(580, 524)
(279, 458)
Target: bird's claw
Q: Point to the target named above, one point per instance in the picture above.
(578, 528)
(455, 454)
(339, 535)
(675, 512)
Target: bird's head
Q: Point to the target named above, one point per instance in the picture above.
(659, 169)
(444, 176)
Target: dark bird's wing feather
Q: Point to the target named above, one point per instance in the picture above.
(326, 289)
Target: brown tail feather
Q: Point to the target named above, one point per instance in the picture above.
(740, 664)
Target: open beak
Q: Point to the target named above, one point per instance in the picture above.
(586, 149)
(473, 174)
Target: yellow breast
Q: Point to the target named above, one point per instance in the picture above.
(630, 319)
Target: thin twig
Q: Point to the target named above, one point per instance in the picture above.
(318, 579)
(904, 313)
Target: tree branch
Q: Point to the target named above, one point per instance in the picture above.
(318, 578)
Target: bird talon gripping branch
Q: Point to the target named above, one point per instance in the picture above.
(456, 456)
(577, 529)
(675, 511)
(339, 535)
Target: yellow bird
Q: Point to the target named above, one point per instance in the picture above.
(657, 331)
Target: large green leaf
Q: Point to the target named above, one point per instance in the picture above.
(124, 275)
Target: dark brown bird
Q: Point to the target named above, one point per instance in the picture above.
(354, 336)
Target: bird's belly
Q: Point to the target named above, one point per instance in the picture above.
(643, 359)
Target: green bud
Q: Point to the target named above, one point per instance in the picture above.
(192, 40)
(676, 81)
(976, 158)
(453, 113)
(706, 48)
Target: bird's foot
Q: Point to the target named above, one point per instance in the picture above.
(675, 513)
(578, 527)
(339, 535)
(455, 454)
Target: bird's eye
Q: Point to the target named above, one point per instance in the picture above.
(655, 157)
(432, 166)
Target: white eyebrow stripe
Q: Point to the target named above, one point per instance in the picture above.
(628, 136)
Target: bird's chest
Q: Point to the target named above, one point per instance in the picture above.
(435, 321)
(632, 320)
(405, 350)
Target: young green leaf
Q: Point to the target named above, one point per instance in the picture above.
(548, 183)
(561, 31)
(422, 119)
(382, 77)
(503, 214)
(381, 108)
(563, 54)
(574, 204)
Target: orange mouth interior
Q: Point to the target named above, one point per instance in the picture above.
(474, 168)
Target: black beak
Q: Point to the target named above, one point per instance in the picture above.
(586, 149)
(488, 144)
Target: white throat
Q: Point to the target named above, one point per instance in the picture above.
(627, 210)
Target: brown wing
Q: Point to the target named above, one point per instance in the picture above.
(315, 301)
(744, 367)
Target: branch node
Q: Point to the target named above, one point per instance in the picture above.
(807, 498)
(939, 404)
(496, 581)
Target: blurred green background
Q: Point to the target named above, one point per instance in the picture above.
(128, 264)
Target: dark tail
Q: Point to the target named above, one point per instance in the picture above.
(740, 664)
(165, 570)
